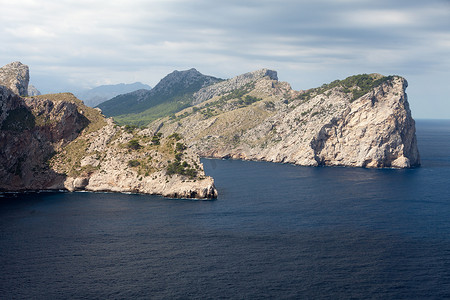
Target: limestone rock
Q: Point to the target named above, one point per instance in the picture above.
(234, 83)
(314, 128)
(15, 76)
(80, 183)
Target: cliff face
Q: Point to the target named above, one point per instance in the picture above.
(30, 134)
(341, 124)
(56, 142)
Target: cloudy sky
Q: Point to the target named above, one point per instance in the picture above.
(70, 44)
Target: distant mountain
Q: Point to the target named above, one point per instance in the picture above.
(103, 93)
(173, 93)
(33, 91)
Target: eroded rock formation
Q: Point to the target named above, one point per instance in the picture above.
(335, 125)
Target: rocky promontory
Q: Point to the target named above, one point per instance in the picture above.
(362, 121)
(55, 142)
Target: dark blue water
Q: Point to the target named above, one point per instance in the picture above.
(276, 231)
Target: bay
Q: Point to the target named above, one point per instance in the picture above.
(276, 231)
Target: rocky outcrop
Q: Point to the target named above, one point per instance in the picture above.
(341, 124)
(15, 76)
(108, 163)
(234, 83)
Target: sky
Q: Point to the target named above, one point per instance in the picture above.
(74, 44)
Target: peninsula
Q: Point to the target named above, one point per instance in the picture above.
(55, 142)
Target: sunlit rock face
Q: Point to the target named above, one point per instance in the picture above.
(340, 124)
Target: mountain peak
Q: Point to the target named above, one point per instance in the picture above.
(15, 76)
(187, 80)
(176, 88)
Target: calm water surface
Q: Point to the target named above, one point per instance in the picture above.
(276, 231)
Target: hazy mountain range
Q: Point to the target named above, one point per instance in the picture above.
(97, 95)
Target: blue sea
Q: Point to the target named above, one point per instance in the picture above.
(277, 231)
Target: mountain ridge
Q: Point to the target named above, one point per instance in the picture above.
(175, 89)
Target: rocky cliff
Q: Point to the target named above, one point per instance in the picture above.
(56, 142)
(362, 121)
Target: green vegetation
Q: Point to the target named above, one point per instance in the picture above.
(239, 93)
(304, 113)
(156, 139)
(134, 145)
(270, 105)
(147, 116)
(182, 168)
(208, 112)
(175, 136)
(248, 100)
(180, 147)
(179, 166)
(129, 128)
(357, 85)
(240, 97)
(133, 163)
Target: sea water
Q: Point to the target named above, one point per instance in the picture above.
(276, 231)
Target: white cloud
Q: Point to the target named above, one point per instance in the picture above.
(89, 42)
(379, 18)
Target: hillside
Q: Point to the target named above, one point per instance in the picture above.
(172, 94)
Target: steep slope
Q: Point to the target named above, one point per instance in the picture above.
(173, 93)
(362, 121)
(56, 142)
(100, 94)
